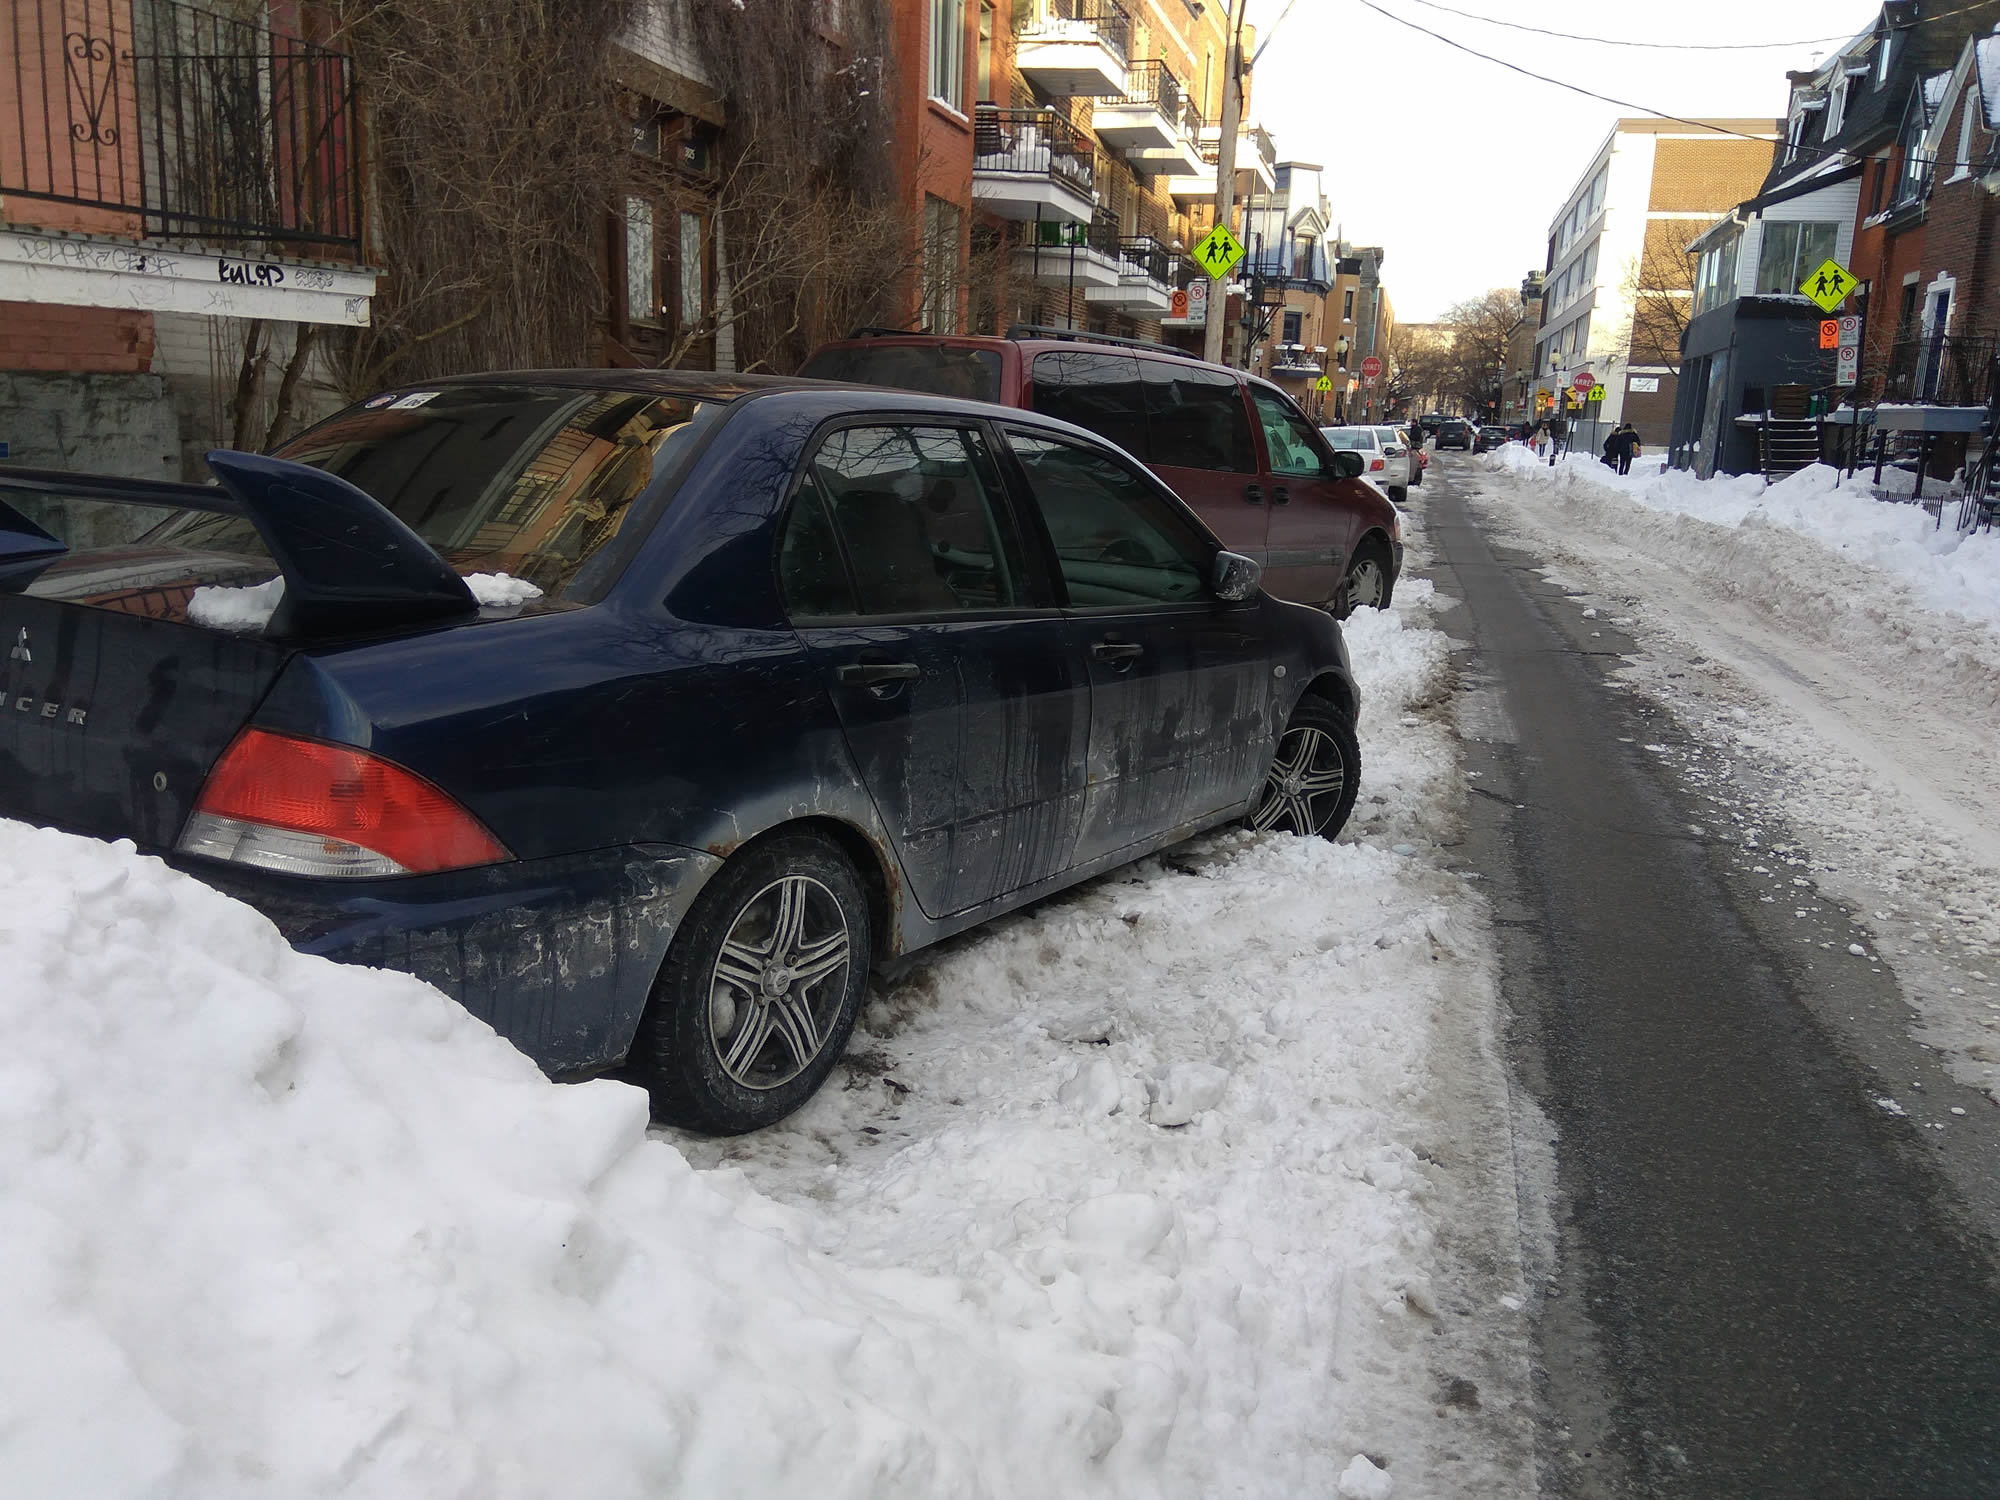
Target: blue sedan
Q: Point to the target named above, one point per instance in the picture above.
(783, 679)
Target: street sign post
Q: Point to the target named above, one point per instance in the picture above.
(1218, 252)
(1829, 285)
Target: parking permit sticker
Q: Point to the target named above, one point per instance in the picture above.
(418, 398)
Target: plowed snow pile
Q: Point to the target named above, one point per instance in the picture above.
(1141, 1213)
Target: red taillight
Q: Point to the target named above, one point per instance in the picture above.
(1374, 464)
(347, 802)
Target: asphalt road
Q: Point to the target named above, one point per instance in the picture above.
(1764, 1286)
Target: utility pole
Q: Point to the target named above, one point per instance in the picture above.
(1225, 176)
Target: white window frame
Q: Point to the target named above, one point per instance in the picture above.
(1836, 107)
(1882, 58)
(947, 59)
(1968, 101)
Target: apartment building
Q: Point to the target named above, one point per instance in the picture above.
(1618, 272)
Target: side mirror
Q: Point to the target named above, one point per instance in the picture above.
(1347, 463)
(1236, 576)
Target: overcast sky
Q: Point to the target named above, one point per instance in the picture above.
(1455, 165)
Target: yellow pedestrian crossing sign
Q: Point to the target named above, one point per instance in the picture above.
(1829, 285)
(1596, 393)
(1218, 252)
(1325, 383)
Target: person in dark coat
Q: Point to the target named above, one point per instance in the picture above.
(1622, 447)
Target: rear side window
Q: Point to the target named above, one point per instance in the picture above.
(1117, 541)
(1289, 436)
(1097, 391)
(1196, 419)
(897, 520)
(937, 369)
(1360, 439)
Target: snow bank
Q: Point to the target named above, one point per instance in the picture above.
(1946, 572)
(1821, 558)
(1121, 1197)
(221, 607)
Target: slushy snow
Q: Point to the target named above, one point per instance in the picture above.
(1135, 1194)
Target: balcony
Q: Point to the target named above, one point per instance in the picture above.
(1941, 370)
(1032, 164)
(157, 120)
(1255, 154)
(1146, 115)
(1075, 48)
(1085, 255)
(1181, 156)
(1144, 288)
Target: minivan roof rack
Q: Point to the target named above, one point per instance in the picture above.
(1081, 336)
(881, 333)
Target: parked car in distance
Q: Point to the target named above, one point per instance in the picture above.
(1489, 438)
(1403, 466)
(810, 677)
(1455, 433)
(1235, 448)
(1388, 462)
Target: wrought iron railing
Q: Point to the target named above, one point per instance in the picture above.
(1146, 255)
(1150, 82)
(1941, 370)
(1028, 142)
(195, 124)
(1106, 19)
(1256, 137)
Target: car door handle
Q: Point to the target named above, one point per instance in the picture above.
(875, 673)
(1254, 493)
(1116, 650)
(1280, 495)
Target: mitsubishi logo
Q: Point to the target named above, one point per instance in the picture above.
(21, 651)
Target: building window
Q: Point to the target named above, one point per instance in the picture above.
(1795, 132)
(1590, 264)
(694, 301)
(948, 53)
(1836, 111)
(1790, 253)
(1294, 327)
(1347, 307)
(1968, 104)
(1882, 58)
(1915, 173)
(940, 309)
(1715, 275)
(642, 284)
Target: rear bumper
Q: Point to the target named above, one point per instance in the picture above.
(557, 955)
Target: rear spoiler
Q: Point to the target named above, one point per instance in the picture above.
(349, 564)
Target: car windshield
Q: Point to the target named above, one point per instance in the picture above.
(533, 481)
(936, 369)
(1350, 438)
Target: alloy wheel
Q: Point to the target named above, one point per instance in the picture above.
(1365, 584)
(776, 990)
(1302, 790)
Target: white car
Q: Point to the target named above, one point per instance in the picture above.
(1385, 458)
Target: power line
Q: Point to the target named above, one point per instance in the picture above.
(1658, 114)
(1606, 41)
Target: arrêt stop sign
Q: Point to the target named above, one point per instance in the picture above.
(1370, 367)
(1582, 383)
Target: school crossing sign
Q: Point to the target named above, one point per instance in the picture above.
(1218, 252)
(1829, 285)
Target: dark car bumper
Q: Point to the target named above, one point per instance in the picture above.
(557, 955)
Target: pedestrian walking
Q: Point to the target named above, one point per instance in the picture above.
(1622, 447)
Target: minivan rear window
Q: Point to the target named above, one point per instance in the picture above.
(936, 369)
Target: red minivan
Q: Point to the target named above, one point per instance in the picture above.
(1234, 447)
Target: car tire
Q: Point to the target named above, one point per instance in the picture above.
(1400, 493)
(736, 1035)
(1314, 776)
(1370, 582)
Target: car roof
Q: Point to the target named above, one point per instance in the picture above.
(1033, 344)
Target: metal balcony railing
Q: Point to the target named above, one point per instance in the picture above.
(1143, 253)
(1256, 137)
(1151, 82)
(1106, 19)
(1100, 234)
(1025, 142)
(1941, 370)
(198, 125)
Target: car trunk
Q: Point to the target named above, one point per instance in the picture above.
(115, 705)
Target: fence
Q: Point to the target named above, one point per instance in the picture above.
(193, 124)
